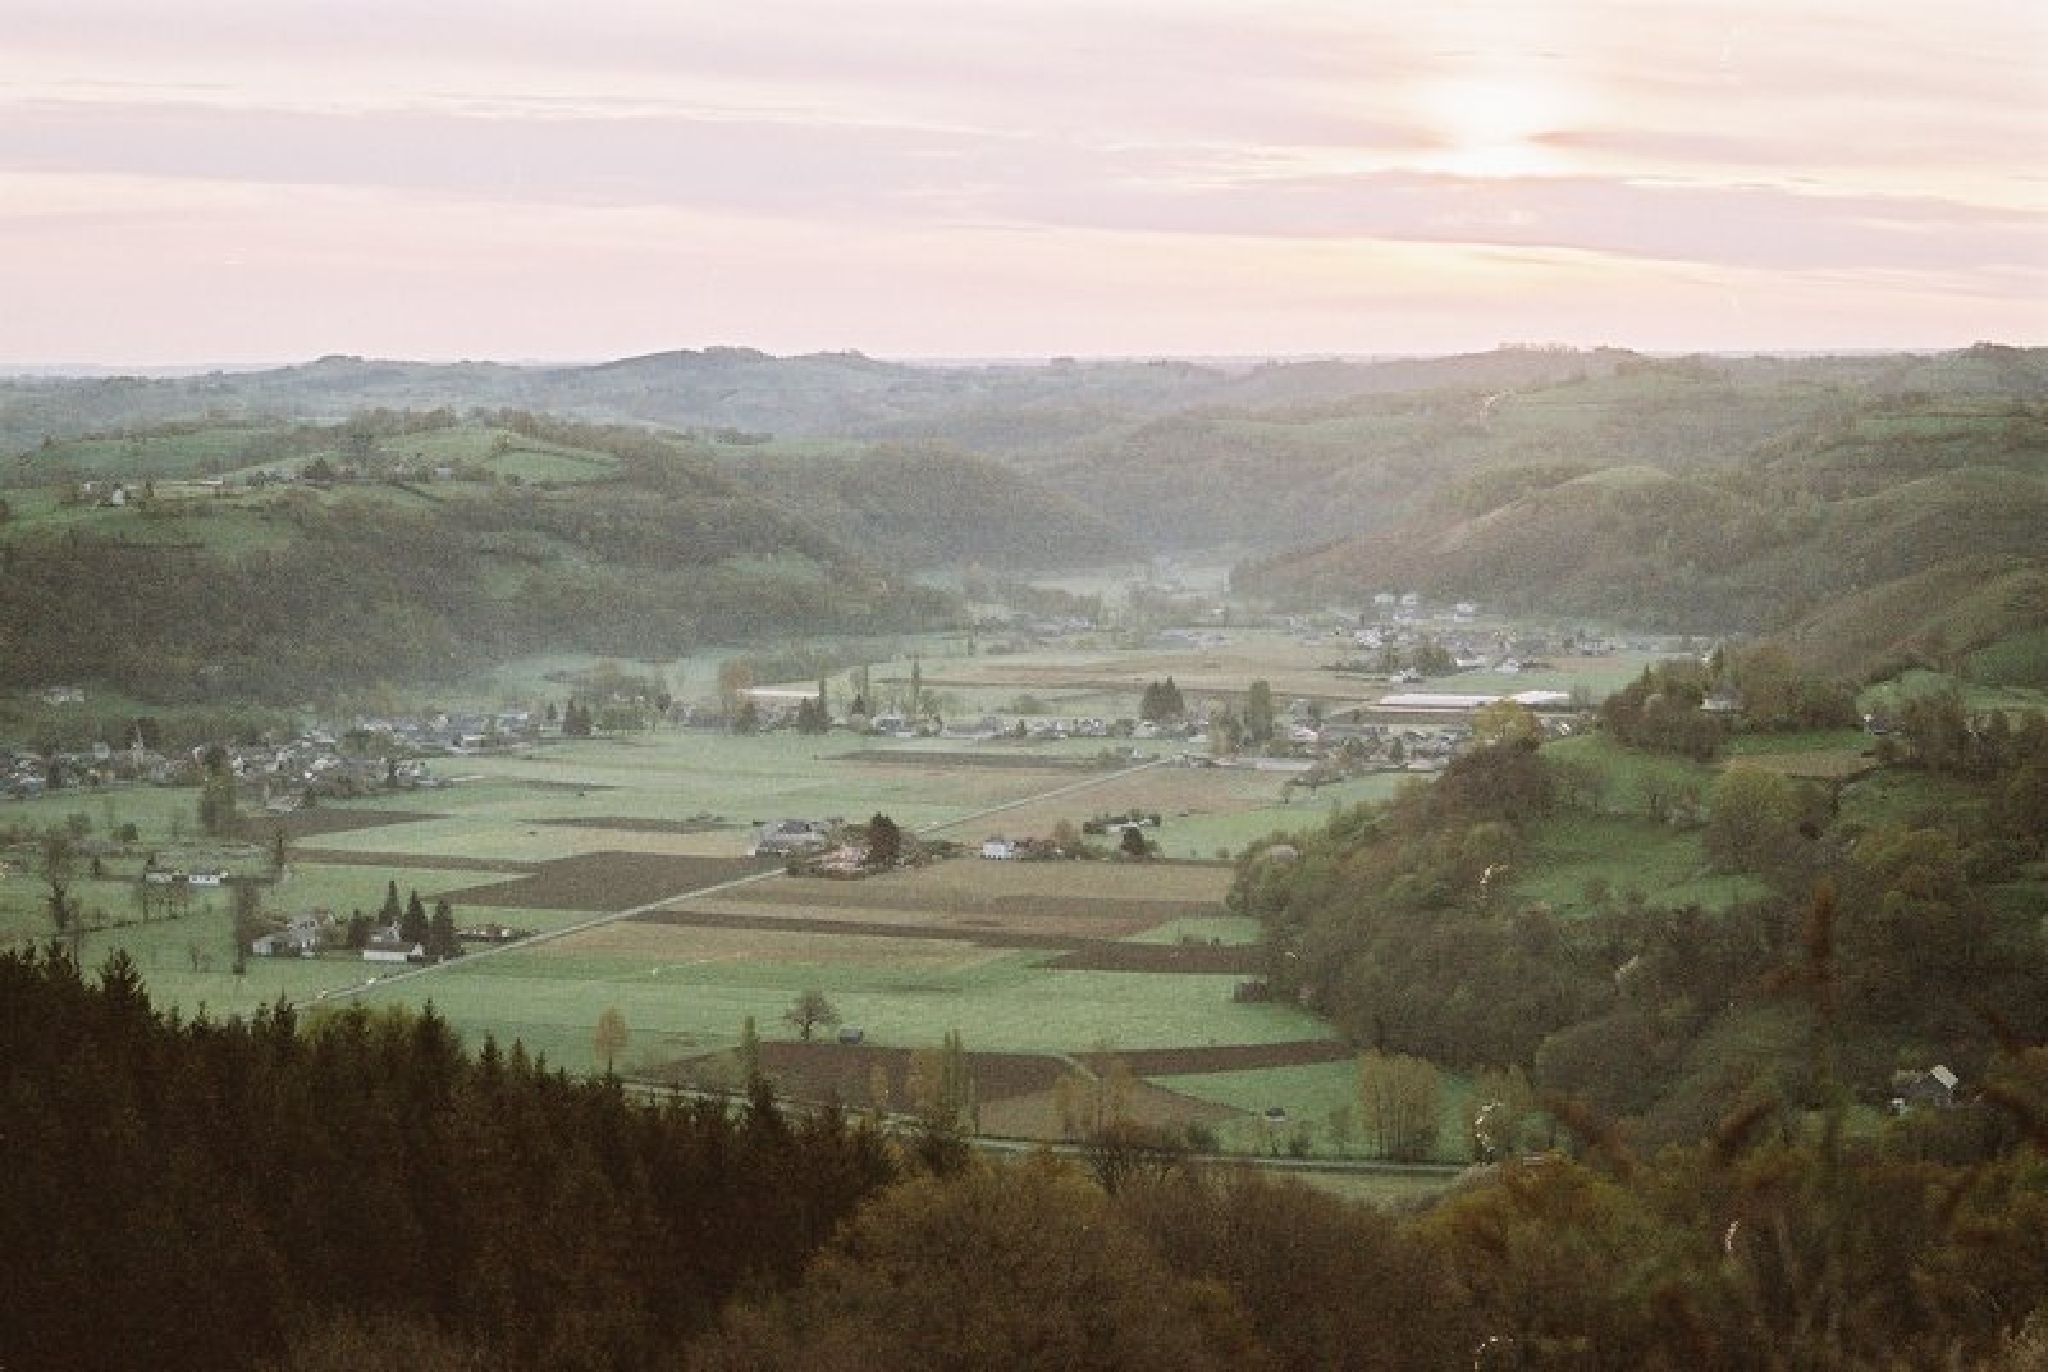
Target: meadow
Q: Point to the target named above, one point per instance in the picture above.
(601, 848)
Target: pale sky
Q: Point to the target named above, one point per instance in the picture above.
(271, 180)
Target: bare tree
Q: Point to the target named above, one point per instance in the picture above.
(810, 1010)
(611, 1036)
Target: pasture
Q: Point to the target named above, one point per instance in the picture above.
(1041, 967)
(627, 857)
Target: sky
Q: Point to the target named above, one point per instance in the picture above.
(245, 181)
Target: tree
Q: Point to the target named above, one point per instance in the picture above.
(1133, 844)
(413, 925)
(1506, 721)
(441, 938)
(735, 679)
(217, 803)
(1400, 1096)
(750, 1052)
(941, 1087)
(247, 912)
(885, 842)
(747, 719)
(1341, 1122)
(1258, 712)
(1753, 813)
(810, 1010)
(1161, 701)
(1024, 1266)
(392, 910)
(610, 1037)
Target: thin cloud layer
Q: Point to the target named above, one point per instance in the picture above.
(261, 181)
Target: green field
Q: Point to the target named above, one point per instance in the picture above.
(1309, 1094)
(671, 800)
(684, 796)
(1572, 854)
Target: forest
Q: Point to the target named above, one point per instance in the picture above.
(356, 1189)
(1395, 921)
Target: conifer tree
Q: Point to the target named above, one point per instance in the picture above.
(413, 926)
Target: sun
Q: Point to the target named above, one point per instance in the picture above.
(1492, 125)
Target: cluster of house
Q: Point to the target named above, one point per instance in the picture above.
(383, 754)
(283, 775)
(211, 878)
(120, 492)
(310, 934)
(26, 773)
(115, 495)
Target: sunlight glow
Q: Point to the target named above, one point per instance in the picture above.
(1490, 125)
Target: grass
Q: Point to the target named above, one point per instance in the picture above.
(1006, 1004)
(1900, 796)
(1976, 695)
(2020, 660)
(1810, 741)
(1571, 853)
(1310, 1094)
(1626, 772)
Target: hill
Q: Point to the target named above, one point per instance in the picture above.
(1179, 455)
(907, 507)
(414, 552)
(1716, 494)
(1907, 528)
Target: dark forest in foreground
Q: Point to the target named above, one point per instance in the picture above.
(359, 1191)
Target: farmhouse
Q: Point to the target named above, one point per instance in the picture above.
(302, 937)
(786, 836)
(1912, 1089)
(999, 850)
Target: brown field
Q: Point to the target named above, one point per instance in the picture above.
(995, 900)
(436, 862)
(258, 828)
(672, 943)
(606, 881)
(1075, 953)
(970, 883)
(1231, 1057)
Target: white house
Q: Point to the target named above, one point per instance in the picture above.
(999, 849)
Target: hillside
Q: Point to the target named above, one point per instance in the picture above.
(1875, 537)
(926, 507)
(413, 553)
(1180, 455)
(1700, 493)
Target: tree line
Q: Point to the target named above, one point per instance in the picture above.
(354, 1190)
